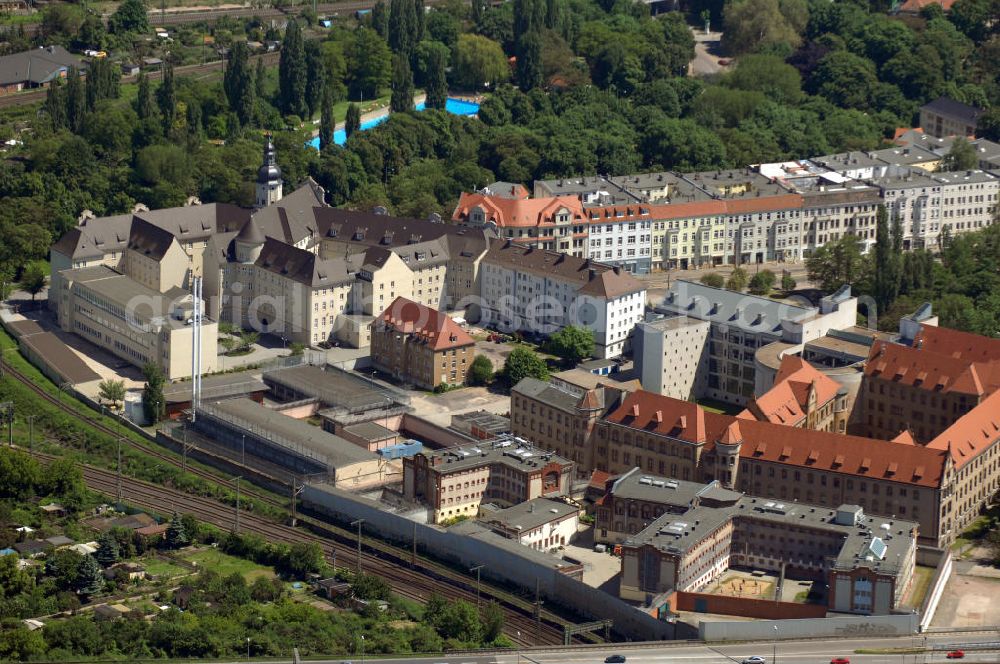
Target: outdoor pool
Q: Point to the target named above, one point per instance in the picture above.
(455, 106)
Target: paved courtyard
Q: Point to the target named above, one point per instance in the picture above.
(600, 570)
(439, 408)
(971, 598)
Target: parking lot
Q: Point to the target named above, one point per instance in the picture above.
(968, 600)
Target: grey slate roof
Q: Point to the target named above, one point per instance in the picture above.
(749, 313)
(37, 65)
(954, 109)
(531, 514)
(542, 391)
(304, 266)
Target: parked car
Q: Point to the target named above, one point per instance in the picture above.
(753, 660)
(614, 659)
(840, 660)
(956, 654)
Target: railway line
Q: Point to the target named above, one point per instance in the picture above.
(417, 581)
(406, 582)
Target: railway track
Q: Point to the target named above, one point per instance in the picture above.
(382, 559)
(404, 581)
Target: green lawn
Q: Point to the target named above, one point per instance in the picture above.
(163, 568)
(921, 582)
(225, 564)
(714, 406)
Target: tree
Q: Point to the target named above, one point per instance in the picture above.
(713, 279)
(573, 344)
(988, 125)
(479, 62)
(762, 25)
(76, 100)
(303, 559)
(103, 82)
(480, 371)
(176, 536)
(371, 64)
(90, 578)
(55, 104)
(529, 60)
(130, 16)
(836, 263)
(403, 27)
(144, 98)
(762, 282)
(112, 390)
(153, 402)
(34, 279)
(492, 621)
(166, 99)
(523, 362)
(292, 72)
(459, 621)
(435, 82)
(352, 122)
(787, 282)
(380, 18)
(768, 74)
(737, 280)
(315, 76)
(887, 262)
(107, 553)
(239, 83)
(961, 157)
(326, 121)
(402, 86)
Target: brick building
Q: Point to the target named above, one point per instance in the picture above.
(420, 345)
(803, 397)
(506, 471)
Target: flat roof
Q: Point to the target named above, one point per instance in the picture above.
(508, 450)
(673, 323)
(60, 357)
(530, 514)
(516, 550)
(370, 431)
(23, 328)
(286, 431)
(144, 303)
(676, 533)
(549, 394)
(336, 387)
(636, 485)
(214, 387)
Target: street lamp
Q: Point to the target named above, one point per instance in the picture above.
(774, 652)
(248, 648)
(362, 649)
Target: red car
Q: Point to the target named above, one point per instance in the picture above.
(840, 660)
(955, 654)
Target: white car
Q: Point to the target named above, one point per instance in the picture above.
(753, 660)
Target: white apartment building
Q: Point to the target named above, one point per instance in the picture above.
(622, 235)
(540, 292)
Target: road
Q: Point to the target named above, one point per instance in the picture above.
(706, 58)
(818, 651)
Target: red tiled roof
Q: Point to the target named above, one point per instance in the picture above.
(649, 411)
(914, 6)
(787, 401)
(511, 212)
(928, 370)
(905, 438)
(957, 344)
(764, 204)
(828, 451)
(971, 433)
(437, 329)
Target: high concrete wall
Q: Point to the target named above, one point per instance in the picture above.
(847, 627)
(746, 606)
(938, 583)
(505, 561)
(432, 435)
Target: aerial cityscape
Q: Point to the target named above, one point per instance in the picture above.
(468, 332)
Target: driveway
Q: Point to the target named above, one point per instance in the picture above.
(439, 408)
(706, 53)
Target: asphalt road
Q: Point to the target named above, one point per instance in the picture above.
(817, 651)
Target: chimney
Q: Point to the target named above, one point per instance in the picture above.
(617, 269)
(591, 274)
(635, 410)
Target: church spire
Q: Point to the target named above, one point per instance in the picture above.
(268, 177)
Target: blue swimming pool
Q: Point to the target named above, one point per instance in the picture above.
(454, 106)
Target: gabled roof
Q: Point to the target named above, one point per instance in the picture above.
(958, 344)
(972, 433)
(302, 266)
(945, 105)
(787, 401)
(370, 229)
(597, 279)
(149, 240)
(656, 413)
(432, 327)
(519, 212)
(930, 371)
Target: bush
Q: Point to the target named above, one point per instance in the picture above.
(713, 279)
(480, 371)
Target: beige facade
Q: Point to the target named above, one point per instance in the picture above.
(454, 482)
(133, 322)
(674, 356)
